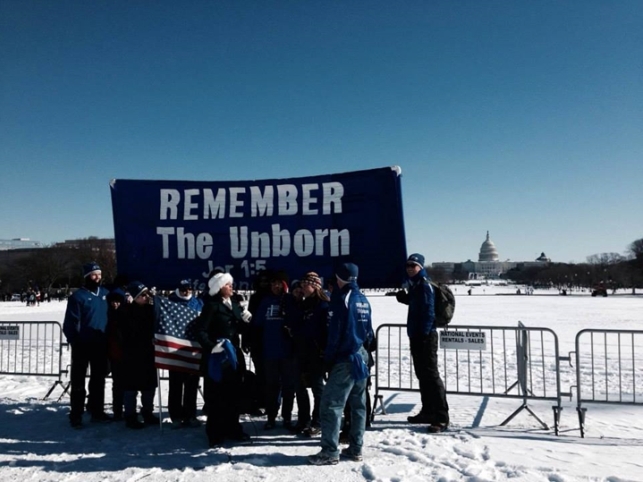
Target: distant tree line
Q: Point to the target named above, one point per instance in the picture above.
(611, 270)
(57, 267)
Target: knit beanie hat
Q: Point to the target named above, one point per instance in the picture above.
(185, 285)
(218, 281)
(136, 289)
(416, 258)
(311, 278)
(347, 272)
(116, 295)
(89, 268)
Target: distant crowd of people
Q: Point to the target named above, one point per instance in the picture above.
(308, 342)
(34, 296)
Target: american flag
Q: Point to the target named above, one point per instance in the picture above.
(176, 347)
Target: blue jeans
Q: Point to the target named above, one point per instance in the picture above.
(340, 388)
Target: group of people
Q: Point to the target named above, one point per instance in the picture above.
(113, 331)
(303, 338)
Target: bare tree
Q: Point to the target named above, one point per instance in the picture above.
(635, 249)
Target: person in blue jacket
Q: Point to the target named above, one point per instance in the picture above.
(277, 350)
(423, 337)
(84, 327)
(349, 329)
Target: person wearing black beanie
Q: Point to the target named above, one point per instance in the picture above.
(84, 327)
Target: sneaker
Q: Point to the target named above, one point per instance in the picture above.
(438, 427)
(101, 417)
(347, 453)
(421, 417)
(311, 431)
(322, 458)
(269, 425)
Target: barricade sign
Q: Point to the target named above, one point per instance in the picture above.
(463, 340)
(9, 332)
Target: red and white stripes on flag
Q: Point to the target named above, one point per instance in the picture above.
(175, 345)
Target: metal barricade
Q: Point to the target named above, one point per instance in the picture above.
(609, 369)
(493, 361)
(32, 348)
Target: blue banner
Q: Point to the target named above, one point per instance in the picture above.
(167, 231)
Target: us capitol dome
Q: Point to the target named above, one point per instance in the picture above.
(488, 251)
(488, 265)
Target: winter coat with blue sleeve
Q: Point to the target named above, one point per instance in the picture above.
(349, 325)
(420, 297)
(270, 321)
(86, 315)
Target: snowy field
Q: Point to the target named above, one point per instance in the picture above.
(36, 442)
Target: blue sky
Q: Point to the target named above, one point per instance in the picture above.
(522, 118)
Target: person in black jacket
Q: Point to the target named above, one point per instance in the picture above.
(309, 327)
(136, 323)
(222, 321)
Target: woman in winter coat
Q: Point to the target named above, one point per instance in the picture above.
(222, 321)
(310, 330)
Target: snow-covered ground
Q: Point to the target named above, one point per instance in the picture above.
(36, 442)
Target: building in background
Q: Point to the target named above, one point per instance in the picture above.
(19, 243)
(488, 265)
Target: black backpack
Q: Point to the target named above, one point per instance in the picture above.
(444, 304)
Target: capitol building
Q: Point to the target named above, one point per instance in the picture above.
(488, 265)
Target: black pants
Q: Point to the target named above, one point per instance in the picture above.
(182, 397)
(424, 351)
(93, 355)
(118, 372)
(223, 401)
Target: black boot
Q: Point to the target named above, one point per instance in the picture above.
(133, 422)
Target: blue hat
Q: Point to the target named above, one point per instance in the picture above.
(135, 289)
(347, 272)
(89, 268)
(416, 258)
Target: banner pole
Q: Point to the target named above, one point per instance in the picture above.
(158, 383)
